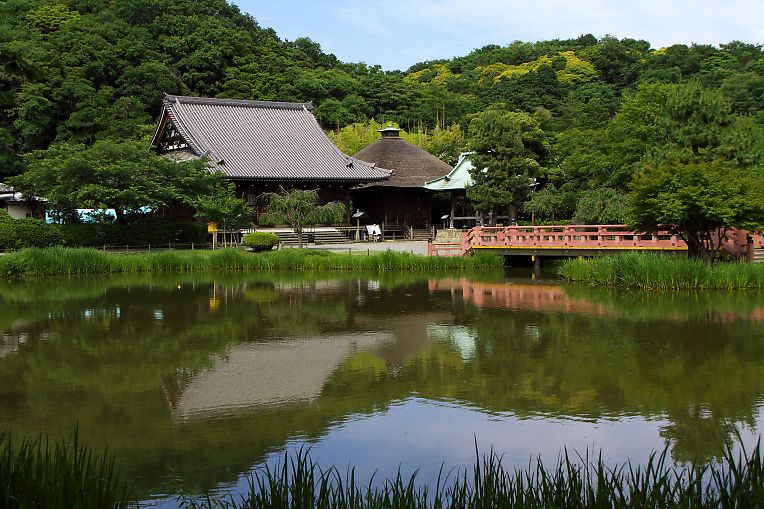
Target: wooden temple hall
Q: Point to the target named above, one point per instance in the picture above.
(262, 146)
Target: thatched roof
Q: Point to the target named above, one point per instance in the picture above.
(412, 166)
(256, 140)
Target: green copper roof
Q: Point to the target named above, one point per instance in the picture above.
(457, 179)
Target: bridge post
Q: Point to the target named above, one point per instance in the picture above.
(536, 265)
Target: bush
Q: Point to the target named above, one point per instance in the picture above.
(260, 241)
(8, 239)
(21, 233)
(134, 234)
(36, 233)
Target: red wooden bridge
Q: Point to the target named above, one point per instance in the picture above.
(583, 240)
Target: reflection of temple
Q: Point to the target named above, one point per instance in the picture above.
(274, 373)
(517, 296)
(10, 343)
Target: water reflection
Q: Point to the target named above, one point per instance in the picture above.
(203, 376)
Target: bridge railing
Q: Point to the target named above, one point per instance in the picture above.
(582, 237)
(569, 237)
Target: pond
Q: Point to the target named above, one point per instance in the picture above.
(193, 381)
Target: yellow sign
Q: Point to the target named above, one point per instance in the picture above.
(212, 227)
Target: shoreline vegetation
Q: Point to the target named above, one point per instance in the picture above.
(650, 271)
(60, 261)
(34, 473)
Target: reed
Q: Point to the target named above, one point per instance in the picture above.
(35, 474)
(298, 482)
(661, 272)
(68, 261)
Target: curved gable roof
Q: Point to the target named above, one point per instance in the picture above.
(261, 140)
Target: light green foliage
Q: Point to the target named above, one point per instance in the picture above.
(223, 207)
(696, 200)
(510, 148)
(567, 65)
(443, 142)
(51, 17)
(260, 241)
(352, 138)
(299, 208)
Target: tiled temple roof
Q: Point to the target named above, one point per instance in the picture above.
(261, 140)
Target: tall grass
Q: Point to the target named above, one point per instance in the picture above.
(655, 271)
(299, 483)
(36, 474)
(68, 261)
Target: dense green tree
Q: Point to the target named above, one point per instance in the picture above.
(223, 207)
(510, 148)
(120, 176)
(699, 201)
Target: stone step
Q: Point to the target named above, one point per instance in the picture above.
(758, 255)
(330, 237)
(420, 234)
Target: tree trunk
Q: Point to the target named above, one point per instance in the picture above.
(120, 216)
(512, 215)
(298, 229)
(695, 247)
(493, 218)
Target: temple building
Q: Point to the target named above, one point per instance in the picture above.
(400, 200)
(261, 146)
(454, 185)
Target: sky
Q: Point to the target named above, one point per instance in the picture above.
(399, 33)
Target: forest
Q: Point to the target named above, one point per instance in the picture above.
(591, 119)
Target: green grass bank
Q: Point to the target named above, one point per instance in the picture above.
(68, 261)
(660, 272)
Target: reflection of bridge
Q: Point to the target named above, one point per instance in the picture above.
(517, 296)
(582, 240)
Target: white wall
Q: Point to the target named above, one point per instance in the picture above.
(18, 210)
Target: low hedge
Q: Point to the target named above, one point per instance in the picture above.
(22, 233)
(134, 234)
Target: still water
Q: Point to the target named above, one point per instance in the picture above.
(193, 381)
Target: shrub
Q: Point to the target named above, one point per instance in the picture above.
(134, 234)
(260, 241)
(8, 239)
(36, 233)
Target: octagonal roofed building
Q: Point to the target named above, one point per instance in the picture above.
(401, 199)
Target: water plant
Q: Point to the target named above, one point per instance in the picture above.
(574, 482)
(34, 473)
(656, 271)
(68, 261)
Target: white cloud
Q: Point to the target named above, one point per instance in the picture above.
(660, 21)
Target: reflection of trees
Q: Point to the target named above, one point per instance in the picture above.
(118, 354)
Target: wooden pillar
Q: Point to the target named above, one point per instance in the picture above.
(453, 211)
(347, 206)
